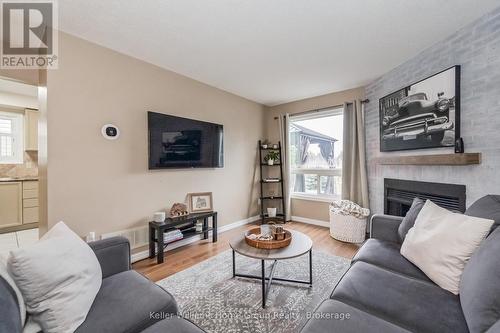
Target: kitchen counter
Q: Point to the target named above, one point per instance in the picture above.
(17, 179)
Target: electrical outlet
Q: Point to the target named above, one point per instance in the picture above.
(259, 202)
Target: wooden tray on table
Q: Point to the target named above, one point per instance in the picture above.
(267, 244)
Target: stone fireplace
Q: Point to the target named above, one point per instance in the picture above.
(399, 194)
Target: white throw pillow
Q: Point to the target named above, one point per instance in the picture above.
(441, 242)
(59, 277)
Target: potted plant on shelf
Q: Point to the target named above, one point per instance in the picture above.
(271, 157)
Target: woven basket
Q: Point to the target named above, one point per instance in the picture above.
(347, 228)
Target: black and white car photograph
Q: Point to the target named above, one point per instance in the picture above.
(422, 115)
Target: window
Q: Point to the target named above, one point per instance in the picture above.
(316, 154)
(11, 138)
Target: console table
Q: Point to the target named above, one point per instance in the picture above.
(186, 224)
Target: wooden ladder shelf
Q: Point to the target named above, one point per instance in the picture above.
(264, 182)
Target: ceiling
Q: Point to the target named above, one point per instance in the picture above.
(268, 51)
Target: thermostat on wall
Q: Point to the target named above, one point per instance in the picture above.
(110, 132)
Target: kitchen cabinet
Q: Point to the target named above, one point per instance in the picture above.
(18, 204)
(11, 204)
(30, 201)
(31, 129)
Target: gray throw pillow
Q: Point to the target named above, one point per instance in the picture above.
(487, 207)
(410, 217)
(479, 287)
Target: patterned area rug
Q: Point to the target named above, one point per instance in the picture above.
(209, 296)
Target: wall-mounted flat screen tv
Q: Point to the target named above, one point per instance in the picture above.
(176, 142)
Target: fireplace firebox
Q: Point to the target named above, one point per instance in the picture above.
(399, 194)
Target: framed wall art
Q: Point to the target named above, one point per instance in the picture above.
(200, 202)
(425, 114)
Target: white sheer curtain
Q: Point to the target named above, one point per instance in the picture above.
(284, 122)
(354, 177)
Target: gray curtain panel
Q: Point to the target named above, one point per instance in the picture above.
(300, 182)
(354, 177)
(326, 149)
(284, 122)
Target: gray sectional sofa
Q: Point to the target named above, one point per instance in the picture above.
(124, 303)
(384, 292)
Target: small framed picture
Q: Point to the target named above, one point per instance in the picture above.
(200, 202)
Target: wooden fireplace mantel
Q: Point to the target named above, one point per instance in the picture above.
(436, 159)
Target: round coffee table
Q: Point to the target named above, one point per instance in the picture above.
(300, 245)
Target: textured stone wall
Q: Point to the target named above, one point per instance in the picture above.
(476, 48)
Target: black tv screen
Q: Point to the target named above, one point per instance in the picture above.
(176, 142)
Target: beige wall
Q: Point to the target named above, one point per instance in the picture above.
(316, 210)
(103, 186)
(301, 207)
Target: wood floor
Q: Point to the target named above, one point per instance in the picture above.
(186, 256)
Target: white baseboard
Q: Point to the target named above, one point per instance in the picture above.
(311, 221)
(237, 224)
(145, 254)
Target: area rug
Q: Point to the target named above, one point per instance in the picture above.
(209, 296)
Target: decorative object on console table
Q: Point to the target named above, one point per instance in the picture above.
(425, 114)
(178, 209)
(200, 202)
(269, 195)
(186, 224)
(199, 226)
(172, 235)
(159, 217)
